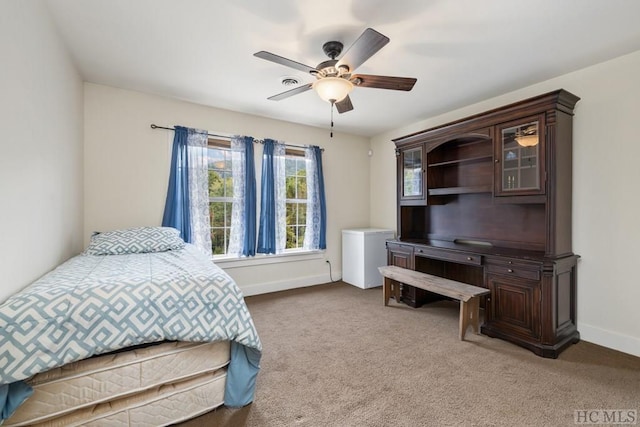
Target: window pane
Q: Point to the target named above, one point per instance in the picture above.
(217, 241)
(291, 237)
(228, 184)
(215, 158)
(291, 213)
(228, 211)
(216, 187)
(301, 231)
(291, 187)
(296, 190)
(298, 238)
(302, 213)
(220, 195)
(302, 187)
(216, 210)
(290, 166)
(302, 167)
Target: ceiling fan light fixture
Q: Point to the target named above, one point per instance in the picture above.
(333, 89)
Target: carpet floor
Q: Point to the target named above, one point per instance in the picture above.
(335, 356)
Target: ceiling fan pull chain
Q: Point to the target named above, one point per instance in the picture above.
(331, 106)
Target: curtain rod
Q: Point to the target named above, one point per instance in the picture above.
(260, 141)
(154, 126)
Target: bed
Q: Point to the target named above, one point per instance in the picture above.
(140, 329)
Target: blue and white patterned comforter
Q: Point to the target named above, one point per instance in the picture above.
(95, 304)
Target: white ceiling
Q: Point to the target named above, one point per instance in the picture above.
(460, 51)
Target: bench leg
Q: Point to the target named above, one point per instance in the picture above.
(469, 315)
(396, 291)
(475, 314)
(464, 318)
(386, 290)
(387, 284)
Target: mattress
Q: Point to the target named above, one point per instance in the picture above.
(94, 304)
(155, 385)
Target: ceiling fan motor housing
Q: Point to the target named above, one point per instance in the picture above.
(328, 69)
(332, 49)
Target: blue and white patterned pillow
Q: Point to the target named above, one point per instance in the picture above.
(137, 240)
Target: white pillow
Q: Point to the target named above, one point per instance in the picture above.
(135, 241)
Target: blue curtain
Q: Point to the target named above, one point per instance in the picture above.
(242, 238)
(317, 152)
(249, 244)
(267, 232)
(176, 209)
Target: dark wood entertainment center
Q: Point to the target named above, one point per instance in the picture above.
(486, 200)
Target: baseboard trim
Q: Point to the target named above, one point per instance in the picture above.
(614, 340)
(283, 285)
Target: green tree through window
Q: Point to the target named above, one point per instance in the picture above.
(220, 197)
(296, 200)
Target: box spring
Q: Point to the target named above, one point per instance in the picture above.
(156, 385)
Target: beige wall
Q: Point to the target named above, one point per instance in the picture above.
(127, 169)
(605, 192)
(41, 146)
(47, 218)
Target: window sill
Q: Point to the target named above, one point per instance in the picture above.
(261, 259)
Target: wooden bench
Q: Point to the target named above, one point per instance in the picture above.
(468, 295)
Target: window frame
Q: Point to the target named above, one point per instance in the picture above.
(299, 156)
(225, 147)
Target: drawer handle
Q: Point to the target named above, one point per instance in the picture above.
(420, 250)
(469, 258)
(510, 262)
(509, 270)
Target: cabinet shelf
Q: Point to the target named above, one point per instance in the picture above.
(461, 161)
(445, 191)
(518, 168)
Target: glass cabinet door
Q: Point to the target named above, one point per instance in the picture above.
(412, 172)
(520, 158)
(411, 163)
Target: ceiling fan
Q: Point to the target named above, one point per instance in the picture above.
(335, 78)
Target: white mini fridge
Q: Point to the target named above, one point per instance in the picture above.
(363, 251)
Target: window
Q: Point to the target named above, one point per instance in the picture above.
(217, 213)
(296, 198)
(294, 207)
(220, 194)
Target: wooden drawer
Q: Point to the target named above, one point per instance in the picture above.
(513, 268)
(443, 254)
(400, 255)
(399, 247)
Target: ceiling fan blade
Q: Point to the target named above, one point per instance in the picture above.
(383, 82)
(344, 105)
(369, 42)
(291, 92)
(284, 61)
